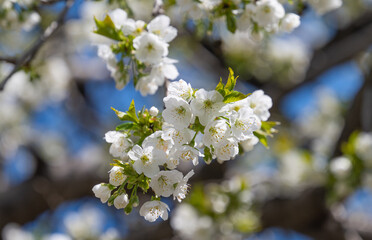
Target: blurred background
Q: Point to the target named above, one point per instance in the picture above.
(55, 111)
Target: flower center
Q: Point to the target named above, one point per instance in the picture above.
(236, 108)
(208, 104)
(150, 47)
(266, 9)
(181, 111)
(145, 159)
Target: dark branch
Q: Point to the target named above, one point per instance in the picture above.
(358, 114)
(345, 46)
(30, 54)
(8, 59)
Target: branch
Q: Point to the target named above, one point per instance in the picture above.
(23, 203)
(347, 44)
(359, 114)
(11, 60)
(30, 54)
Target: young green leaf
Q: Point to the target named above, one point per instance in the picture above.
(125, 126)
(106, 28)
(231, 81)
(234, 96)
(262, 138)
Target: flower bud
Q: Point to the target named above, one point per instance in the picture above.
(102, 192)
(121, 201)
(154, 111)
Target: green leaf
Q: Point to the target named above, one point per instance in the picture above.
(262, 138)
(234, 96)
(130, 115)
(106, 28)
(132, 111)
(207, 155)
(231, 80)
(220, 87)
(268, 126)
(231, 22)
(125, 126)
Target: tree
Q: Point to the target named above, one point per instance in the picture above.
(321, 158)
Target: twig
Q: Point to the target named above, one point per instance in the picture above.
(347, 44)
(29, 54)
(8, 59)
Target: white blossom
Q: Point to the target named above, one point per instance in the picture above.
(117, 176)
(206, 105)
(260, 104)
(290, 22)
(160, 26)
(12, 231)
(245, 20)
(143, 161)
(324, 6)
(244, 123)
(154, 111)
(55, 236)
(152, 210)
(120, 144)
(249, 143)
(165, 69)
(146, 85)
(104, 51)
(227, 150)
(189, 225)
(182, 187)
(177, 137)
(191, 8)
(216, 132)
(363, 147)
(161, 146)
(268, 13)
(188, 154)
(177, 112)
(238, 106)
(118, 17)
(132, 27)
(102, 192)
(180, 89)
(172, 161)
(121, 201)
(31, 21)
(150, 48)
(340, 167)
(163, 182)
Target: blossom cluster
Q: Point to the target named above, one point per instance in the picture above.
(14, 13)
(140, 48)
(229, 203)
(258, 17)
(267, 15)
(354, 167)
(195, 123)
